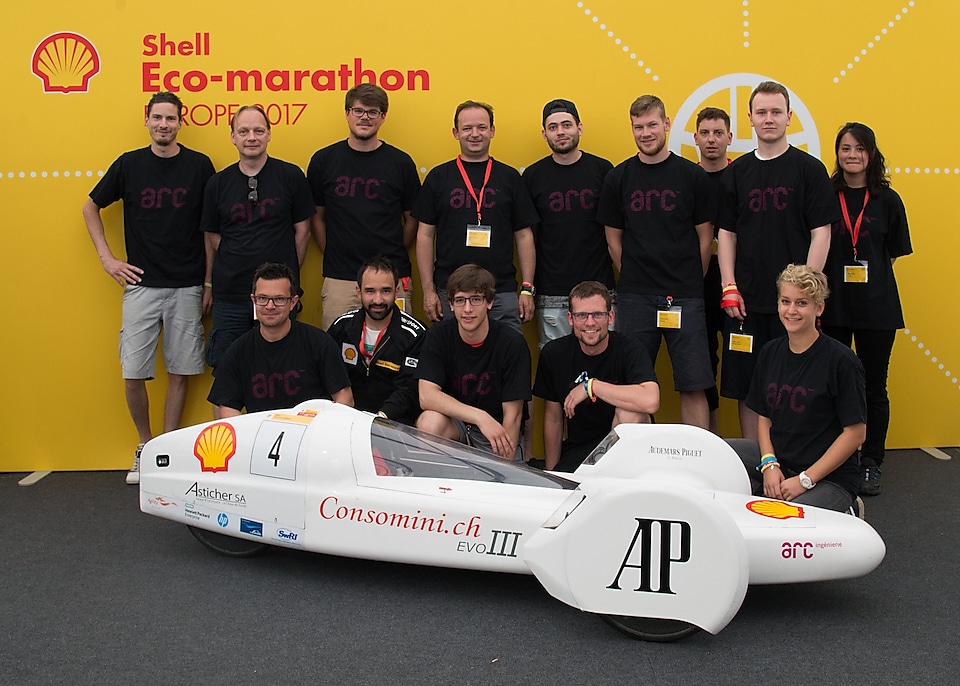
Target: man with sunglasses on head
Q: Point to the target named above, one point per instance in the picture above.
(474, 371)
(363, 189)
(591, 380)
(281, 362)
(257, 210)
(161, 188)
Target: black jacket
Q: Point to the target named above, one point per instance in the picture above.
(387, 384)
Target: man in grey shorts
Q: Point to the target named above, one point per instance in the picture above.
(161, 187)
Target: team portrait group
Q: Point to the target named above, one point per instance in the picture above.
(769, 278)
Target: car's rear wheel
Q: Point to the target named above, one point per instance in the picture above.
(650, 628)
(227, 545)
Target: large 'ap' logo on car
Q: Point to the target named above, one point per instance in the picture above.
(731, 92)
(657, 544)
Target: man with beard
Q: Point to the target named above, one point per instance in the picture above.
(363, 189)
(161, 187)
(593, 364)
(571, 245)
(380, 345)
(280, 362)
(658, 212)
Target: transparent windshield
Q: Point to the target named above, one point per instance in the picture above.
(602, 448)
(400, 450)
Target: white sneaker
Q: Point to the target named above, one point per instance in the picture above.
(133, 476)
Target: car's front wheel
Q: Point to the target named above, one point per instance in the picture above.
(227, 545)
(651, 629)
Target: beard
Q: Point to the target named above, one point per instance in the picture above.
(378, 315)
(570, 144)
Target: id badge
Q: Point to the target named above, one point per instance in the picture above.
(855, 273)
(669, 318)
(478, 236)
(741, 342)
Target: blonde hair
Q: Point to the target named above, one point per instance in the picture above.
(809, 281)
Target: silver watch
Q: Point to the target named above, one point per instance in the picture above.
(806, 481)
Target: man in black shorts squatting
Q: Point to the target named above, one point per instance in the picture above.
(571, 245)
(364, 189)
(161, 187)
(280, 362)
(474, 208)
(593, 378)
(658, 212)
(776, 209)
(474, 371)
(257, 210)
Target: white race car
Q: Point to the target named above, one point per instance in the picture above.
(656, 532)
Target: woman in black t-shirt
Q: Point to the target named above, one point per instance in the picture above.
(865, 305)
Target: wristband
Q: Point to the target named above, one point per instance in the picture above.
(769, 465)
(727, 299)
(586, 386)
(207, 284)
(730, 287)
(589, 388)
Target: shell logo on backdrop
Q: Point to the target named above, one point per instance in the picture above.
(731, 92)
(65, 62)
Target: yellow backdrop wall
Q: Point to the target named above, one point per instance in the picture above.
(877, 61)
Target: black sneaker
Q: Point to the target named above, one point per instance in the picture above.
(869, 480)
(536, 463)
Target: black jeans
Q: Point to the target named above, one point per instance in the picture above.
(873, 348)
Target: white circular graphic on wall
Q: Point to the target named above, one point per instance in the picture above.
(731, 92)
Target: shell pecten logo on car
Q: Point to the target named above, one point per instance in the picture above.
(775, 509)
(65, 62)
(214, 447)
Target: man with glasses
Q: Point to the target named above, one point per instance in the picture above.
(591, 380)
(257, 210)
(474, 371)
(161, 187)
(363, 189)
(281, 362)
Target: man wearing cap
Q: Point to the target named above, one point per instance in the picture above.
(570, 243)
(474, 208)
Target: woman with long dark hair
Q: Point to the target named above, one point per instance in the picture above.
(864, 309)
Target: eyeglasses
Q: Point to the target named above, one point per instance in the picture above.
(582, 316)
(359, 113)
(252, 196)
(277, 300)
(475, 300)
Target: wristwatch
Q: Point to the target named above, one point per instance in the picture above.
(806, 481)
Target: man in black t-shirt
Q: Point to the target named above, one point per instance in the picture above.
(712, 137)
(474, 208)
(161, 188)
(257, 210)
(474, 372)
(280, 362)
(571, 245)
(363, 189)
(593, 378)
(658, 213)
(776, 209)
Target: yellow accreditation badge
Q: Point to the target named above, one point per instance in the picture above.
(669, 317)
(855, 273)
(741, 342)
(478, 236)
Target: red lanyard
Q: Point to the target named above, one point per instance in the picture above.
(854, 229)
(466, 180)
(363, 341)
